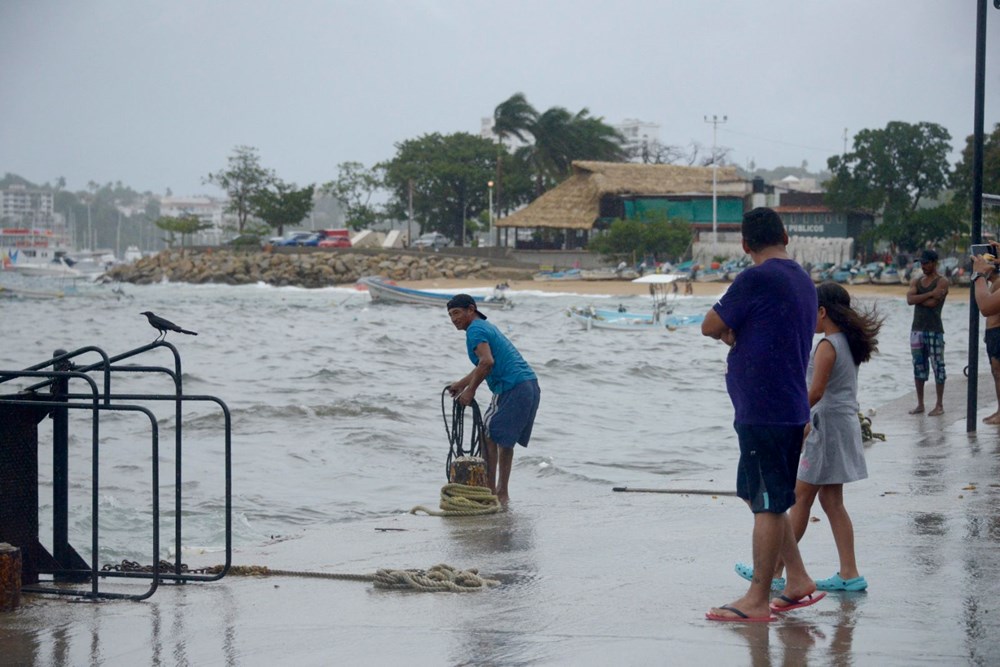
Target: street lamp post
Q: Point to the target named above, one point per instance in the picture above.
(715, 168)
(489, 185)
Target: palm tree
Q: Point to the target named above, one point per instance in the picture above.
(511, 118)
(596, 140)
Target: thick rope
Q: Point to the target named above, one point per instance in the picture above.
(456, 431)
(463, 500)
(866, 430)
(437, 579)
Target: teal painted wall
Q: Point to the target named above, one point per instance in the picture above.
(694, 210)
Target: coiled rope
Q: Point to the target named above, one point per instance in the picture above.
(437, 579)
(867, 434)
(463, 500)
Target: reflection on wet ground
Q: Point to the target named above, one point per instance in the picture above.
(598, 579)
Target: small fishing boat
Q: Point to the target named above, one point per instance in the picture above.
(386, 291)
(622, 320)
(568, 274)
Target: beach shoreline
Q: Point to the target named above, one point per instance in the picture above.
(619, 287)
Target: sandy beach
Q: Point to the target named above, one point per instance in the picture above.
(622, 287)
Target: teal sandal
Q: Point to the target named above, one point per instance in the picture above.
(746, 571)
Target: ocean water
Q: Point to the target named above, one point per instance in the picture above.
(337, 411)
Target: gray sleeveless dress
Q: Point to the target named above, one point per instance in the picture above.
(832, 453)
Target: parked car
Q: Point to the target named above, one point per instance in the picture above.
(293, 238)
(312, 240)
(435, 240)
(335, 238)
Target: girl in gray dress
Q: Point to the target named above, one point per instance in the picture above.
(832, 454)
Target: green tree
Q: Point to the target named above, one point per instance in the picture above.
(242, 179)
(961, 178)
(890, 172)
(354, 188)
(655, 234)
(281, 204)
(184, 226)
(942, 226)
(449, 174)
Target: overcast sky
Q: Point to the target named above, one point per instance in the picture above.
(157, 94)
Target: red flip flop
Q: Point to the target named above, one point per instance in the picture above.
(803, 601)
(739, 618)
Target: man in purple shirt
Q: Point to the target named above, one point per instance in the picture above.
(768, 317)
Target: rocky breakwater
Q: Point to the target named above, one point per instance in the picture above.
(305, 269)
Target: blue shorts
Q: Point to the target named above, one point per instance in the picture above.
(511, 414)
(769, 463)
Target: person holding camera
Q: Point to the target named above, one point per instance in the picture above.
(984, 265)
(927, 294)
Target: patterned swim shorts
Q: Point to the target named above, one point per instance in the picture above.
(927, 348)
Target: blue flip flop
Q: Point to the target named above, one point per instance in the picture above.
(746, 571)
(838, 583)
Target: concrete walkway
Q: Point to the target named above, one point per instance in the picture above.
(616, 578)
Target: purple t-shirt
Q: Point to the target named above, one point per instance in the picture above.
(772, 309)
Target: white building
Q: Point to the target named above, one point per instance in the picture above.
(27, 208)
(638, 134)
(208, 210)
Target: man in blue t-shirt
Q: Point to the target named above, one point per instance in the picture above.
(511, 414)
(768, 317)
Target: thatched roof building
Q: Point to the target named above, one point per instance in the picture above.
(595, 190)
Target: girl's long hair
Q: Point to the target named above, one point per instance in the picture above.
(861, 328)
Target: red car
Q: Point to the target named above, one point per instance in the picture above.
(335, 238)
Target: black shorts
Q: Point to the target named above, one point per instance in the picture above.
(769, 463)
(993, 343)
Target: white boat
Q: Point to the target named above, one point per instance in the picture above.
(623, 320)
(385, 291)
(35, 252)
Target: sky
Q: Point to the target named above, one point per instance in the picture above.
(158, 94)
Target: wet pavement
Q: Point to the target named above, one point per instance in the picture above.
(616, 578)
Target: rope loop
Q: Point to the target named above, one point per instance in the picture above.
(456, 431)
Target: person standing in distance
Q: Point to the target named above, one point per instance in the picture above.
(767, 317)
(511, 415)
(927, 294)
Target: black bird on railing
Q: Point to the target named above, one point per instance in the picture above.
(163, 326)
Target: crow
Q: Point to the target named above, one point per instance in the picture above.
(163, 326)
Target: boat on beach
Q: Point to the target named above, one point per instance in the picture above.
(386, 291)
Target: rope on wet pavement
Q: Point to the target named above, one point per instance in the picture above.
(463, 500)
(437, 579)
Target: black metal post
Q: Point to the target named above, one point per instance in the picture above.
(977, 212)
(60, 466)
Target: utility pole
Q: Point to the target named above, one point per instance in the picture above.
(845, 142)
(489, 184)
(714, 120)
(409, 219)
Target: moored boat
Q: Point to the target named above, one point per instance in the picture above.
(385, 291)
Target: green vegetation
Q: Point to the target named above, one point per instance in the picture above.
(654, 235)
(183, 226)
(280, 204)
(242, 180)
(448, 175)
(891, 172)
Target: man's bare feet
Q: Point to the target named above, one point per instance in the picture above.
(917, 410)
(993, 418)
(937, 411)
